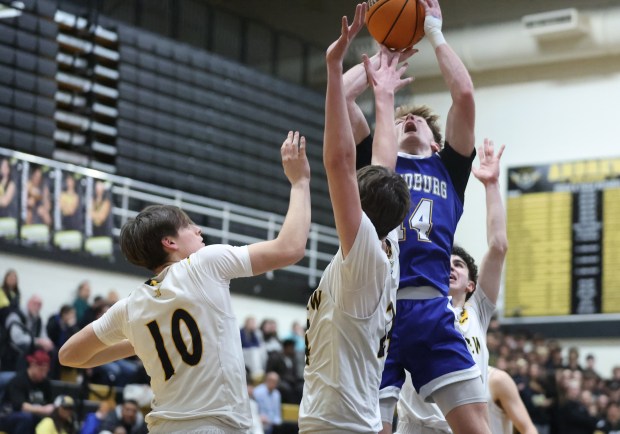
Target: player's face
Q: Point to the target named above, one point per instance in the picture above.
(459, 276)
(413, 131)
(189, 240)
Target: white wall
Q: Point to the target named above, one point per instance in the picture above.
(57, 283)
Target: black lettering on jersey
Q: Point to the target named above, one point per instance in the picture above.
(315, 300)
(384, 342)
(473, 344)
(313, 303)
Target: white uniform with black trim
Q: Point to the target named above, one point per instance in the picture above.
(349, 318)
(498, 419)
(415, 416)
(183, 329)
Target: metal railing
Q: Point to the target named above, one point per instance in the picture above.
(130, 196)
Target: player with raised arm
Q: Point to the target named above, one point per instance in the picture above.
(350, 313)
(180, 323)
(425, 341)
(474, 296)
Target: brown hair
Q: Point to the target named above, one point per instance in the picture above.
(426, 113)
(472, 268)
(141, 237)
(384, 196)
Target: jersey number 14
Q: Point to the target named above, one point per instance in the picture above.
(421, 220)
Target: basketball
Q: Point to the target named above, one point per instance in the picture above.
(397, 24)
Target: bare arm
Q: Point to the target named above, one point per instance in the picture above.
(85, 350)
(338, 141)
(355, 83)
(462, 114)
(290, 245)
(497, 239)
(504, 391)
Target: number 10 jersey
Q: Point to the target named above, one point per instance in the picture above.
(183, 329)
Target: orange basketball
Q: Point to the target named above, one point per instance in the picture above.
(397, 24)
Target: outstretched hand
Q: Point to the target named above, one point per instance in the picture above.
(337, 50)
(385, 74)
(294, 160)
(432, 8)
(488, 172)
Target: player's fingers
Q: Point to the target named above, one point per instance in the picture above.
(501, 151)
(481, 151)
(302, 147)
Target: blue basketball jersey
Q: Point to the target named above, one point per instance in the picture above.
(427, 233)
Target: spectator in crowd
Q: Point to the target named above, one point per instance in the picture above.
(18, 339)
(112, 297)
(29, 396)
(612, 419)
(297, 334)
(126, 415)
(62, 420)
(269, 402)
(573, 415)
(269, 336)
(94, 311)
(80, 304)
(62, 326)
(34, 322)
(93, 420)
(573, 360)
(10, 295)
(288, 366)
(257, 424)
(253, 349)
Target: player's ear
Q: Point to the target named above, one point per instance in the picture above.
(435, 147)
(169, 244)
(471, 286)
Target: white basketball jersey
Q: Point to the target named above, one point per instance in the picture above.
(346, 352)
(498, 420)
(472, 321)
(183, 329)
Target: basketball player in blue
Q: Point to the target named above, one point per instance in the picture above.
(424, 340)
(351, 311)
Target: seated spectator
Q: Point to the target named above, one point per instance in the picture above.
(126, 416)
(269, 336)
(80, 304)
(288, 365)
(94, 311)
(9, 294)
(28, 396)
(298, 334)
(34, 323)
(573, 415)
(62, 420)
(612, 419)
(62, 326)
(257, 425)
(18, 340)
(92, 421)
(253, 349)
(269, 402)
